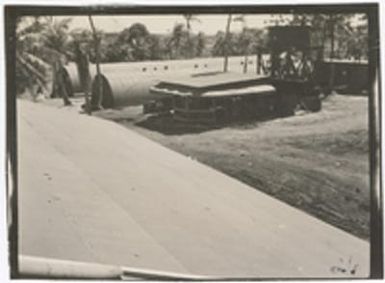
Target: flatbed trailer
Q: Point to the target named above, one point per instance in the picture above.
(218, 98)
(287, 84)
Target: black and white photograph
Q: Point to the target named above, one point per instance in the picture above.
(180, 143)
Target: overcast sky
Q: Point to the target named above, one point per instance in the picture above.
(209, 24)
(164, 24)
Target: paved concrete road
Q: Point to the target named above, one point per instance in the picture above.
(93, 191)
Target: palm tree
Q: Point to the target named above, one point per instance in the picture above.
(40, 47)
(56, 40)
(175, 42)
(226, 42)
(55, 34)
(244, 40)
(277, 19)
(81, 46)
(335, 24)
(200, 44)
(218, 48)
(190, 18)
(137, 37)
(247, 42)
(83, 67)
(30, 69)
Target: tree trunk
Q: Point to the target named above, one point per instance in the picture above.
(189, 42)
(259, 61)
(323, 39)
(226, 50)
(332, 66)
(82, 63)
(30, 87)
(97, 62)
(61, 83)
(332, 26)
(246, 63)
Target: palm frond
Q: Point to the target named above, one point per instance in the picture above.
(28, 69)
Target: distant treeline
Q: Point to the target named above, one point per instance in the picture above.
(136, 43)
(335, 34)
(44, 43)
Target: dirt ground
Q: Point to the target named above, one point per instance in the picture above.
(317, 162)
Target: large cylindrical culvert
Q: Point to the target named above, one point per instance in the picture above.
(164, 66)
(107, 99)
(126, 86)
(161, 68)
(73, 79)
(68, 84)
(123, 89)
(129, 82)
(67, 79)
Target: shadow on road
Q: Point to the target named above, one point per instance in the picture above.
(167, 125)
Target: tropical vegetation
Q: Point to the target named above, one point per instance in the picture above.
(45, 44)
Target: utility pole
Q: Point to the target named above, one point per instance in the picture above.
(332, 66)
(97, 62)
(332, 37)
(226, 50)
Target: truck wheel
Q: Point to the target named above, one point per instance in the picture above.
(312, 104)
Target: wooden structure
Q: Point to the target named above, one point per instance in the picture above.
(290, 52)
(349, 76)
(293, 61)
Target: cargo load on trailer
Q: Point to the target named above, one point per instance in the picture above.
(287, 84)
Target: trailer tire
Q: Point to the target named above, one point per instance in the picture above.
(312, 104)
(286, 105)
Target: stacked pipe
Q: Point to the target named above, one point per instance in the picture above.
(128, 83)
